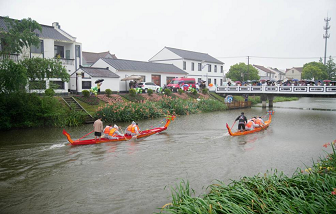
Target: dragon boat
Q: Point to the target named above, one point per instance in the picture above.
(256, 129)
(126, 137)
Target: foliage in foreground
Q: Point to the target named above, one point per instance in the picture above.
(309, 191)
(20, 110)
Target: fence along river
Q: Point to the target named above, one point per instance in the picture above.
(40, 173)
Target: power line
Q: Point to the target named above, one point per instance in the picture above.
(270, 57)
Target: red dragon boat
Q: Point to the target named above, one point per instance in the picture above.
(239, 133)
(126, 137)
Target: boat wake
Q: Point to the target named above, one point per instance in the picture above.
(55, 146)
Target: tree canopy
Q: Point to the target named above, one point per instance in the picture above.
(314, 71)
(40, 68)
(331, 69)
(242, 72)
(20, 34)
(13, 77)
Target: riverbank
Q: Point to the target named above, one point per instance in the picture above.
(311, 190)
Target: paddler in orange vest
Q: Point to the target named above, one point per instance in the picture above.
(114, 133)
(133, 129)
(107, 130)
(258, 122)
(249, 125)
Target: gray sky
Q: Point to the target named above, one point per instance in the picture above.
(137, 30)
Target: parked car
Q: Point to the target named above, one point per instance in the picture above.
(148, 85)
(176, 83)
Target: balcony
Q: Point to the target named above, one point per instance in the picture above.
(66, 61)
(14, 57)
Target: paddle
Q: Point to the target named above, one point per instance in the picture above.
(86, 135)
(233, 124)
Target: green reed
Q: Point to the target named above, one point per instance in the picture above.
(307, 191)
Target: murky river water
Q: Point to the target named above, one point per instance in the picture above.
(40, 173)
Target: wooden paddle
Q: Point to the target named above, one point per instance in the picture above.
(85, 135)
(233, 124)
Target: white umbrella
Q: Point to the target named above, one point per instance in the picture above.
(132, 77)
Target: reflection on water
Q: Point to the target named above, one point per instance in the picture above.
(41, 173)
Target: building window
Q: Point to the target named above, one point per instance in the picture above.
(292, 71)
(209, 68)
(215, 81)
(156, 79)
(192, 66)
(221, 82)
(86, 84)
(34, 49)
(184, 65)
(215, 68)
(209, 81)
(199, 80)
(56, 84)
(199, 66)
(222, 69)
(59, 51)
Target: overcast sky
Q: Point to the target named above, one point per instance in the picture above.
(229, 30)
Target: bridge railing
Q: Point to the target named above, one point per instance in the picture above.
(299, 90)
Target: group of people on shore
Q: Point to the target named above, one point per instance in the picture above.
(248, 125)
(112, 132)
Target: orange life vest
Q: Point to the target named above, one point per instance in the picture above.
(249, 124)
(131, 128)
(107, 129)
(112, 131)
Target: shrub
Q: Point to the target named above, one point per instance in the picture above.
(205, 91)
(86, 93)
(211, 105)
(180, 91)
(167, 92)
(150, 92)
(132, 92)
(49, 92)
(108, 92)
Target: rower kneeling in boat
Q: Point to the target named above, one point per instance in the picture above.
(107, 130)
(114, 133)
(249, 125)
(133, 129)
(258, 122)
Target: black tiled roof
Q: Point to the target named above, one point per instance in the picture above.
(99, 72)
(130, 65)
(194, 55)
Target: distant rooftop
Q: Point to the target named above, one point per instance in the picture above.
(194, 55)
(89, 57)
(130, 65)
(264, 69)
(99, 72)
(47, 31)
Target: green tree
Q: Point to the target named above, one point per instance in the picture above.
(40, 68)
(331, 69)
(242, 72)
(314, 70)
(19, 35)
(13, 77)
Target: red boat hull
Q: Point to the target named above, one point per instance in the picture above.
(142, 134)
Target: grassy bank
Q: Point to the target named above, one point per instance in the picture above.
(312, 190)
(256, 99)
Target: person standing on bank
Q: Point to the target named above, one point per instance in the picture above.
(242, 121)
(98, 128)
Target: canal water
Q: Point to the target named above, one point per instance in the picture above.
(41, 173)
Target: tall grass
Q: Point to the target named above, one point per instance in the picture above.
(309, 191)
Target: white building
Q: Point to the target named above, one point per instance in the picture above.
(158, 73)
(294, 73)
(279, 75)
(85, 77)
(201, 66)
(55, 43)
(265, 73)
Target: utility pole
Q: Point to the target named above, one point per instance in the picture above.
(248, 65)
(326, 36)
